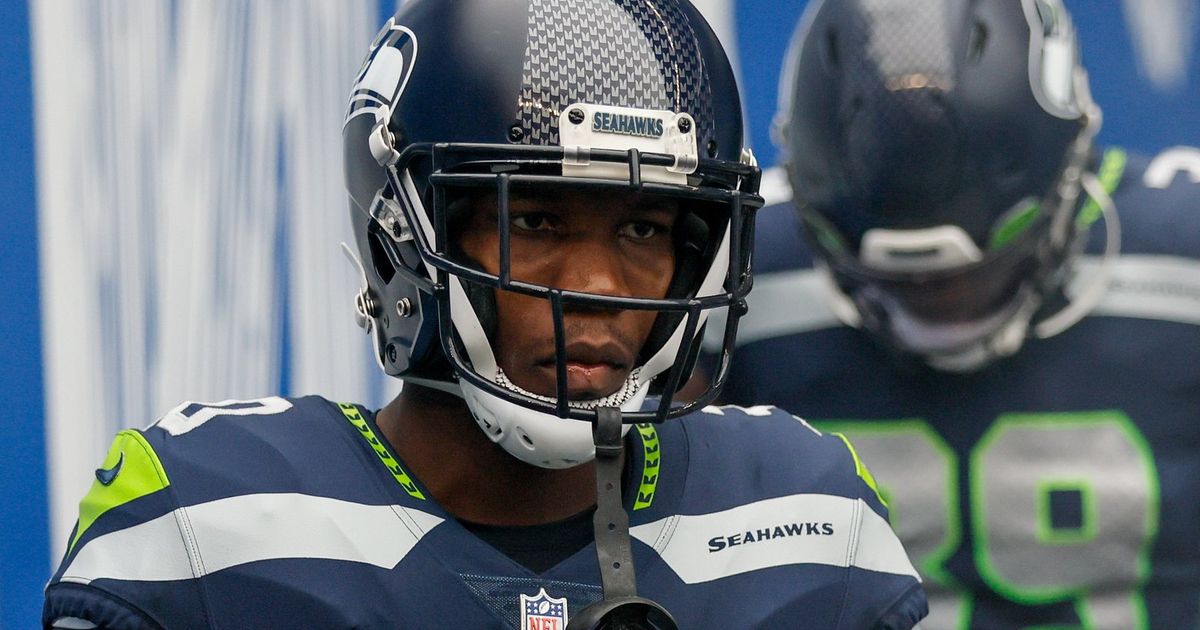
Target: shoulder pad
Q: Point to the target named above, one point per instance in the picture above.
(130, 471)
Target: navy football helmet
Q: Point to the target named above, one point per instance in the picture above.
(936, 152)
(508, 98)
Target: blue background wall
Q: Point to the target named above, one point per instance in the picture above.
(24, 547)
(1136, 115)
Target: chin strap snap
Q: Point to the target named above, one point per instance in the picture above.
(621, 608)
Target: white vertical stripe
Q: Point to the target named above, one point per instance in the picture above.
(161, 127)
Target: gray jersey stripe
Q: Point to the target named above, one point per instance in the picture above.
(1164, 288)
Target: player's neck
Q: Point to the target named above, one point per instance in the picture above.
(470, 476)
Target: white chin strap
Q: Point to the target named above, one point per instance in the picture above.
(539, 438)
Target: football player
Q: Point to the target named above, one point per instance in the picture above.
(549, 197)
(1017, 363)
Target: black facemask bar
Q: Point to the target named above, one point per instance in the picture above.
(714, 183)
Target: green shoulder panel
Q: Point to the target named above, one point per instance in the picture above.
(130, 470)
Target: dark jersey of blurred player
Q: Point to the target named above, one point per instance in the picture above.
(1055, 488)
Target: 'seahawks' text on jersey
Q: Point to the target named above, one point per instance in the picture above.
(284, 513)
(1057, 488)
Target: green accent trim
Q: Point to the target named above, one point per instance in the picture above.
(352, 414)
(987, 569)
(1046, 533)
(827, 235)
(1111, 169)
(966, 611)
(861, 469)
(651, 461)
(1086, 618)
(1139, 609)
(932, 566)
(141, 474)
(1016, 223)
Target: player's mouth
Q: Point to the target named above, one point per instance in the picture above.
(593, 370)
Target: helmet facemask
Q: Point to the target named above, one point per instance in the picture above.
(709, 270)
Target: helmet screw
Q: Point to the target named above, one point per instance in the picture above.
(515, 133)
(365, 305)
(391, 353)
(575, 116)
(404, 307)
(685, 124)
(712, 148)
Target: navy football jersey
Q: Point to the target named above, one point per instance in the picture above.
(1059, 487)
(284, 513)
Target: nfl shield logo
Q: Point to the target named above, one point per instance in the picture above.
(542, 612)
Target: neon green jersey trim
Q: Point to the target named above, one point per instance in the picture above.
(132, 469)
(1017, 224)
(652, 458)
(364, 429)
(863, 472)
(1111, 170)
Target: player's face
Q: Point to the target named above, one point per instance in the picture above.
(600, 243)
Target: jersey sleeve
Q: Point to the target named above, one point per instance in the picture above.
(883, 589)
(81, 607)
(127, 559)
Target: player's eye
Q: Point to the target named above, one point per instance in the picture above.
(642, 230)
(533, 221)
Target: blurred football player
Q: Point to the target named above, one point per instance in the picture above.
(1019, 369)
(548, 197)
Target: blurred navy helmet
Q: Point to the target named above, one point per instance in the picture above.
(503, 99)
(936, 152)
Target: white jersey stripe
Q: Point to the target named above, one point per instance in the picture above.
(205, 538)
(794, 529)
(1165, 288)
